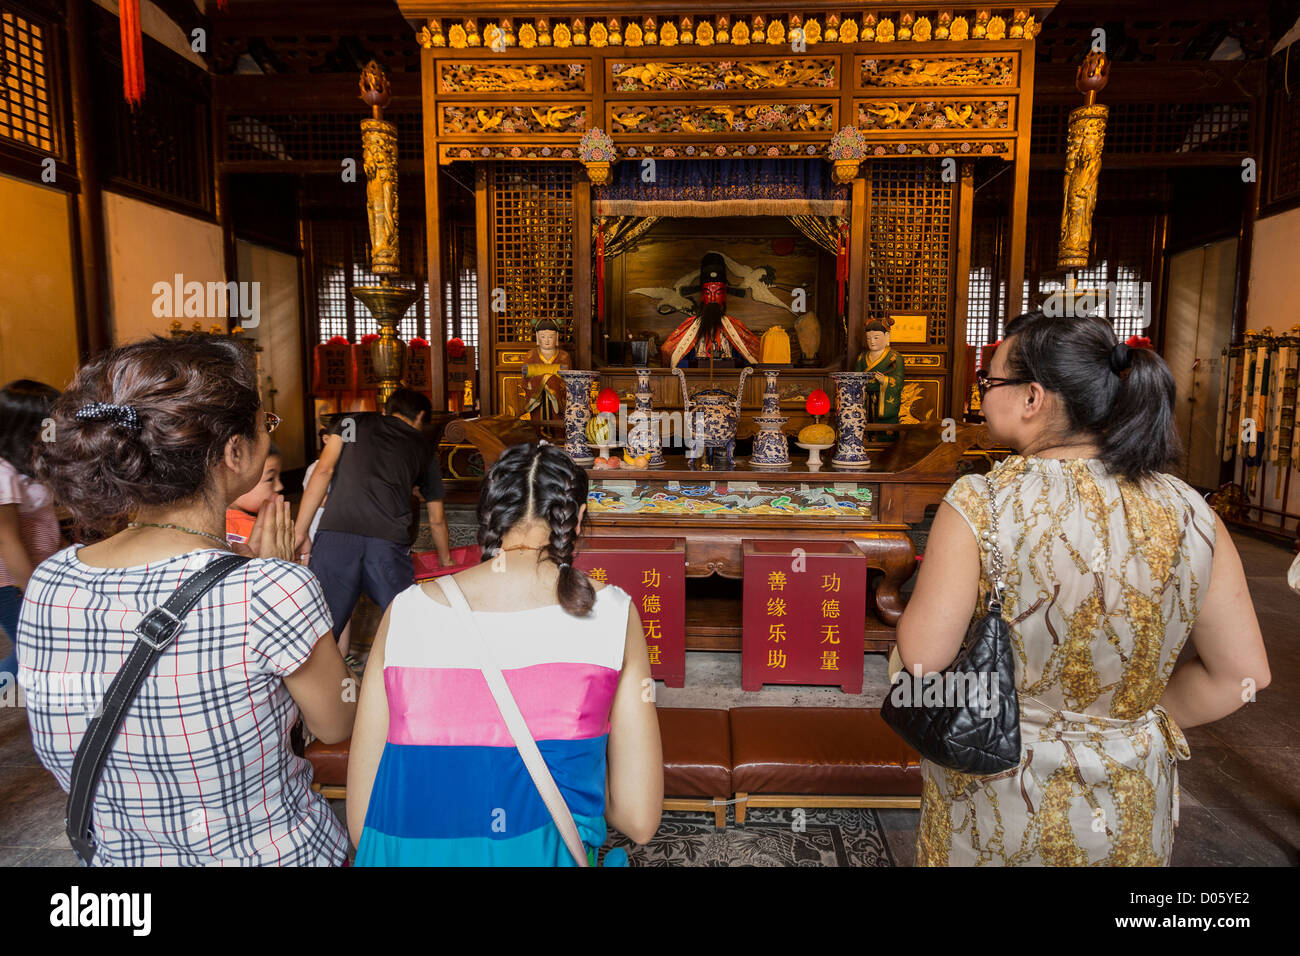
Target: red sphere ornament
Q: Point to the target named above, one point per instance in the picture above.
(819, 403)
(456, 347)
(608, 401)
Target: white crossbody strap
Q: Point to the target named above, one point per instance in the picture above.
(518, 728)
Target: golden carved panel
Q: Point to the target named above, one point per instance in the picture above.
(546, 76)
(897, 72)
(646, 75)
(646, 117)
(937, 114)
(497, 119)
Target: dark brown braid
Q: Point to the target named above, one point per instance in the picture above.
(540, 481)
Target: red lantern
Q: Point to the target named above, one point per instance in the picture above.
(608, 401)
(818, 403)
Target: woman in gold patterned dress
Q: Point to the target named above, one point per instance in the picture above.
(1111, 565)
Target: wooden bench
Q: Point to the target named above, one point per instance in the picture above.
(697, 762)
(819, 757)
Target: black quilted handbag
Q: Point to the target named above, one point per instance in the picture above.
(979, 736)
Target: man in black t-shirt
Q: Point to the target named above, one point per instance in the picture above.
(362, 541)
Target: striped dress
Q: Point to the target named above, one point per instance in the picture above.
(451, 789)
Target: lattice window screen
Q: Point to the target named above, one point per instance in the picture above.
(25, 84)
(909, 237)
(1146, 128)
(532, 247)
(341, 261)
(307, 136)
(1284, 174)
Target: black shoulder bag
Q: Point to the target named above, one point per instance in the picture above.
(960, 733)
(154, 634)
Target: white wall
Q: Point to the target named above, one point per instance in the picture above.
(279, 333)
(148, 244)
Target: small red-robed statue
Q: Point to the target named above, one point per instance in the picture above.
(711, 334)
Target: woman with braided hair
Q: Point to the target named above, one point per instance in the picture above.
(434, 777)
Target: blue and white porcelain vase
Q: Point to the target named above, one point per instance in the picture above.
(771, 448)
(643, 431)
(577, 412)
(851, 398)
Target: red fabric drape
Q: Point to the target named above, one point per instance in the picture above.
(132, 51)
(600, 273)
(842, 266)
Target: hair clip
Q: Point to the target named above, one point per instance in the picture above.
(122, 415)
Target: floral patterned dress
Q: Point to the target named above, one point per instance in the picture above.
(1104, 581)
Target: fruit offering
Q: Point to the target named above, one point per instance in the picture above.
(817, 434)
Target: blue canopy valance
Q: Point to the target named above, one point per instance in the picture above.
(722, 187)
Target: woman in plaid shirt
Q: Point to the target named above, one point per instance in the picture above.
(167, 434)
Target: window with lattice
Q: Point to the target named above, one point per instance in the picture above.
(26, 95)
(531, 225)
(340, 257)
(910, 232)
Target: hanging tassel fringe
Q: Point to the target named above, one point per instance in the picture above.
(132, 52)
(600, 272)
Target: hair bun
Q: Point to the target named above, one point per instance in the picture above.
(1120, 358)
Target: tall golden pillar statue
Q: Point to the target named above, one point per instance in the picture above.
(1083, 163)
(386, 302)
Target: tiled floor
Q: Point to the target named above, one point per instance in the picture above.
(1241, 789)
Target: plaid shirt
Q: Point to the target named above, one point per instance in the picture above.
(201, 773)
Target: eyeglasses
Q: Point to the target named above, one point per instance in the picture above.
(984, 381)
(272, 420)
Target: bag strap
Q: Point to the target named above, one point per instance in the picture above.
(995, 553)
(154, 633)
(517, 726)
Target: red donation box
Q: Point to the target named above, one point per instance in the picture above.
(653, 572)
(334, 374)
(805, 609)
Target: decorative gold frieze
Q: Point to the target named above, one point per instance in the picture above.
(641, 76)
(496, 119)
(681, 149)
(993, 25)
(703, 118)
(545, 76)
(913, 72)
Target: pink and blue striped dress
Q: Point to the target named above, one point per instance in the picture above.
(451, 788)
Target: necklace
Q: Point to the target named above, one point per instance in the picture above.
(521, 547)
(176, 527)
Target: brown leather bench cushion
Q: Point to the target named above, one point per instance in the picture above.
(329, 763)
(697, 752)
(820, 750)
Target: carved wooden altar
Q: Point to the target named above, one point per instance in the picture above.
(522, 83)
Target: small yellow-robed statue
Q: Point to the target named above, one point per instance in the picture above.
(543, 387)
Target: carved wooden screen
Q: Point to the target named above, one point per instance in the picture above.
(909, 239)
(26, 95)
(532, 249)
(1283, 173)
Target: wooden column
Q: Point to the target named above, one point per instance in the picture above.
(583, 317)
(1019, 209)
(308, 325)
(93, 329)
(961, 290)
(859, 254)
(433, 233)
(486, 339)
